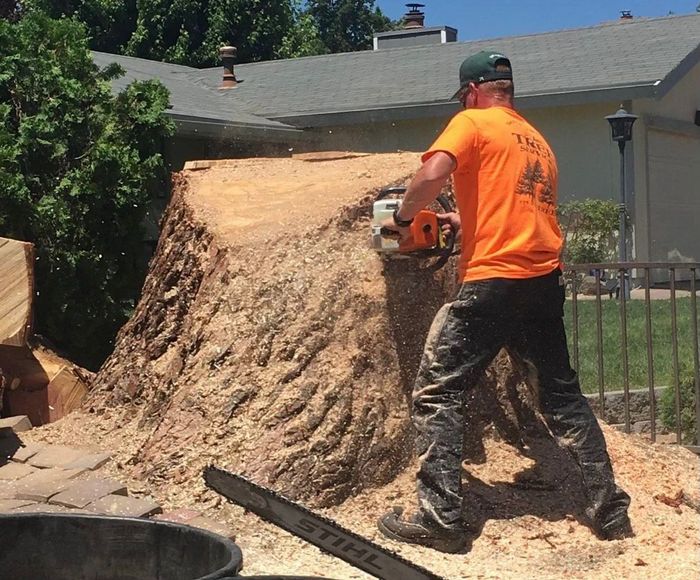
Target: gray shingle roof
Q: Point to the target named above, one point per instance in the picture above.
(189, 100)
(619, 59)
(620, 54)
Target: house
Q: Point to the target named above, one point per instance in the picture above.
(397, 96)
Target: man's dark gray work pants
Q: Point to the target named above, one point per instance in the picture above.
(525, 316)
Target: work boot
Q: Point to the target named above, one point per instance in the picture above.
(616, 527)
(418, 530)
(608, 506)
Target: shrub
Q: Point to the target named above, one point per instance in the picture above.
(78, 168)
(590, 229)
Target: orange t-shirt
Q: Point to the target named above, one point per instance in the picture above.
(506, 189)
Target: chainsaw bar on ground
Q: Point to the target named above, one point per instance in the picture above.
(314, 528)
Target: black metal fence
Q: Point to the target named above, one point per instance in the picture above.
(626, 285)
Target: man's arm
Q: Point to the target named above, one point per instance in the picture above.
(427, 184)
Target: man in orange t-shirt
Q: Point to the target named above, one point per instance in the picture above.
(512, 296)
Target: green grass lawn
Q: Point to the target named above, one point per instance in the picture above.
(636, 342)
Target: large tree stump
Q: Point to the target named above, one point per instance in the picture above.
(271, 335)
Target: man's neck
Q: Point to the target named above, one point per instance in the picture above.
(499, 103)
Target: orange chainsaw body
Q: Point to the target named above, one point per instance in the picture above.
(425, 236)
(425, 233)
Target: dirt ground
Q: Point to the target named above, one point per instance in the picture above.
(520, 540)
(169, 402)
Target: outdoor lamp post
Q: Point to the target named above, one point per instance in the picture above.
(621, 125)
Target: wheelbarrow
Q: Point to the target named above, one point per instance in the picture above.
(41, 546)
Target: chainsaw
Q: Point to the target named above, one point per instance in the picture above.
(313, 527)
(426, 238)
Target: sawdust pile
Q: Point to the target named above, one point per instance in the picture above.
(271, 341)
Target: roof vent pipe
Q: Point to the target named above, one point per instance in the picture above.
(228, 57)
(414, 18)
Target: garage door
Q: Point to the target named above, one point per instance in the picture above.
(674, 196)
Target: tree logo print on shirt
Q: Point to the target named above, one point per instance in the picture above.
(532, 176)
(547, 192)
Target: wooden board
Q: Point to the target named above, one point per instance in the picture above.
(65, 393)
(16, 291)
(33, 404)
(19, 364)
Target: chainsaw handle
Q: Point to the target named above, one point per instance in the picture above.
(445, 203)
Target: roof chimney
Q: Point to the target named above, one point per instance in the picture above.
(626, 15)
(414, 18)
(414, 33)
(228, 56)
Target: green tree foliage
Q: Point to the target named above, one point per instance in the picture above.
(590, 228)
(190, 32)
(347, 25)
(302, 39)
(186, 32)
(78, 167)
(172, 32)
(110, 22)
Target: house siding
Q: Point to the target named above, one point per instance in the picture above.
(680, 104)
(580, 137)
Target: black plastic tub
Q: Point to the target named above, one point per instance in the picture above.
(85, 547)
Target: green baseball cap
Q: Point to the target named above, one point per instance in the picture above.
(482, 67)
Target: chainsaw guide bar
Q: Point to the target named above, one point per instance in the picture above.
(315, 528)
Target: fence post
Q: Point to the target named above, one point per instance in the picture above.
(599, 344)
(574, 316)
(650, 353)
(625, 361)
(696, 351)
(674, 343)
